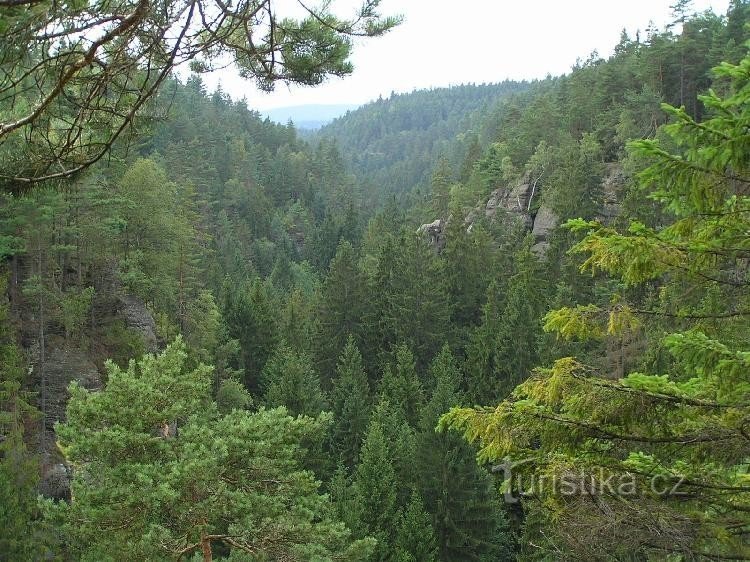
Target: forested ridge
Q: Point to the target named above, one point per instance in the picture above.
(477, 323)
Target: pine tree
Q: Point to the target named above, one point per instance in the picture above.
(350, 405)
(230, 482)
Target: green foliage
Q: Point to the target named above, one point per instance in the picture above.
(375, 491)
(250, 319)
(64, 112)
(467, 519)
(684, 425)
(396, 142)
(18, 467)
(400, 385)
(75, 309)
(232, 395)
(410, 302)
(166, 475)
(289, 380)
(350, 404)
(505, 347)
(415, 540)
(341, 306)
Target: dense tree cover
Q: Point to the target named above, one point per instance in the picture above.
(338, 336)
(671, 434)
(395, 142)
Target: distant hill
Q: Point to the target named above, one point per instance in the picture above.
(392, 144)
(312, 116)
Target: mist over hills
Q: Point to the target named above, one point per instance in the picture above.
(310, 116)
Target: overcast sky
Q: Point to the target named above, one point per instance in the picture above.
(444, 42)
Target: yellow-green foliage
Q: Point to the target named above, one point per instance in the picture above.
(686, 427)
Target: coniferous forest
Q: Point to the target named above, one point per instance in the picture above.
(482, 323)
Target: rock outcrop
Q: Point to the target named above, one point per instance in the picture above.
(139, 318)
(63, 364)
(613, 185)
(515, 200)
(545, 221)
(520, 201)
(435, 232)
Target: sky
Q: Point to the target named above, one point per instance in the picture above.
(448, 42)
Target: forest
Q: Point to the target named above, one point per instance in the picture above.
(482, 323)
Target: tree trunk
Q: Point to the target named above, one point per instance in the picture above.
(206, 548)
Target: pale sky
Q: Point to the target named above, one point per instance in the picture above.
(445, 42)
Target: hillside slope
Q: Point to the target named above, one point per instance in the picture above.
(392, 144)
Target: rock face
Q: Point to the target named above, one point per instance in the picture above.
(62, 365)
(545, 222)
(515, 200)
(520, 201)
(139, 318)
(55, 482)
(613, 184)
(435, 231)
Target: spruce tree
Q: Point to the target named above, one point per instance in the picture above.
(415, 539)
(468, 522)
(248, 312)
(19, 468)
(341, 306)
(400, 385)
(417, 310)
(505, 347)
(375, 491)
(350, 404)
(469, 268)
(675, 429)
(289, 380)
(441, 182)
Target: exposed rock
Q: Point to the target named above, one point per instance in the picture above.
(435, 231)
(613, 184)
(62, 365)
(518, 200)
(139, 318)
(514, 200)
(545, 222)
(55, 482)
